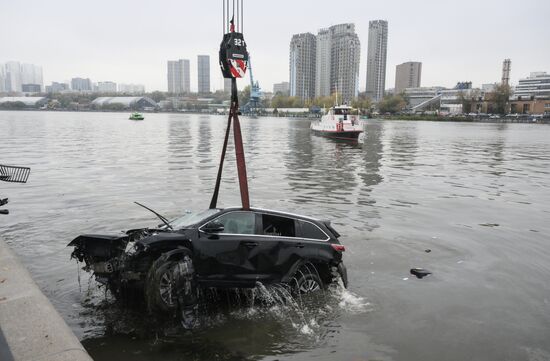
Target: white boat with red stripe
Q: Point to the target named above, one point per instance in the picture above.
(340, 122)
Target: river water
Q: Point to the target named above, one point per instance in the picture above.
(470, 202)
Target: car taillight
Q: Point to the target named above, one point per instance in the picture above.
(338, 247)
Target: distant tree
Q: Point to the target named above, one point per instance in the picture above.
(13, 105)
(392, 104)
(244, 95)
(363, 103)
(157, 96)
(499, 98)
(467, 100)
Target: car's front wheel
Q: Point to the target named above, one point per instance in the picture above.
(169, 282)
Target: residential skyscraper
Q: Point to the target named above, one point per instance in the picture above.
(376, 59)
(32, 75)
(345, 49)
(203, 70)
(12, 73)
(179, 81)
(2, 79)
(302, 65)
(322, 68)
(407, 75)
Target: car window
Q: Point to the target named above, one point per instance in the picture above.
(309, 230)
(237, 222)
(278, 226)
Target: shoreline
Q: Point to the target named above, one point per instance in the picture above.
(30, 327)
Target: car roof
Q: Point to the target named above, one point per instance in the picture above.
(288, 214)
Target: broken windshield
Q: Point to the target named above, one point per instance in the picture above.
(190, 218)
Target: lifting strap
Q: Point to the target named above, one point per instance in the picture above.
(239, 152)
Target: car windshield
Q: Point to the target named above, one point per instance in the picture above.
(190, 218)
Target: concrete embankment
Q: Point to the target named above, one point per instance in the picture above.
(30, 327)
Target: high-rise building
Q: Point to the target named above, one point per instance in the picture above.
(302, 65)
(81, 84)
(106, 87)
(281, 88)
(376, 59)
(179, 81)
(322, 68)
(407, 75)
(2, 79)
(12, 71)
(506, 67)
(203, 70)
(31, 75)
(345, 51)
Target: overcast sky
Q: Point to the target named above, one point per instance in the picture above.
(130, 41)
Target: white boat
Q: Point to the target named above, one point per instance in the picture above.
(338, 123)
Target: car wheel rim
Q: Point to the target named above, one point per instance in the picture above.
(308, 286)
(165, 288)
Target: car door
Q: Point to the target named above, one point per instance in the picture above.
(224, 256)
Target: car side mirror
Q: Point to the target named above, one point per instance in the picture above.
(213, 227)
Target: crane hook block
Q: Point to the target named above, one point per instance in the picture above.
(233, 55)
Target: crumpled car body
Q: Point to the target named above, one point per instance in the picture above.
(220, 248)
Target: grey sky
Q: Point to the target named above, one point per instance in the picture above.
(130, 41)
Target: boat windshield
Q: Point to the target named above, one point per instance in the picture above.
(340, 111)
(191, 218)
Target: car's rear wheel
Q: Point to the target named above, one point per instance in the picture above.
(306, 280)
(169, 282)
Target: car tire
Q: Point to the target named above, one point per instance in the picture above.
(306, 280)
(170, 282)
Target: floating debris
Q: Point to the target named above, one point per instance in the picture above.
(427, 250)
(489, 224)
(420, 272)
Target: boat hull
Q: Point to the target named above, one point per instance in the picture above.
(347, 135)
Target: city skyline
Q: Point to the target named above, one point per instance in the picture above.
(441, 36)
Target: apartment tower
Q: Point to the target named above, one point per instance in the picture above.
(203, 70)
(376, 59)
(179, 81)
(302, 65)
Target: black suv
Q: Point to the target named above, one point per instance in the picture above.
(216, 248)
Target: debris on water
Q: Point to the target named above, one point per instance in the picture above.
(420, 272)
(427, 250)
(489, 224)
(405, 278)
(461, 261)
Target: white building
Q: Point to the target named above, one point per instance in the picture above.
(337, 61)
(178, 75)
(376, 59)
(536, 86)
(344, 64)
(106, 87)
